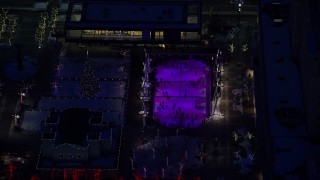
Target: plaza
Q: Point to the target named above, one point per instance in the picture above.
(107, 101)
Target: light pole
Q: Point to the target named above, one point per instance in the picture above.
(22, 94)
(239, 10)
(16, 118)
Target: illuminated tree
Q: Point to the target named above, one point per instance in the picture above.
(89, 85)
(26, 86)
(52, 21)
(3, 18)
(231, 48)
(41, 29)
(244, 47)
(12, 26)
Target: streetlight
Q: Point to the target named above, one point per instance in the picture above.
(16, 118)
(22, 94)
(239, 10)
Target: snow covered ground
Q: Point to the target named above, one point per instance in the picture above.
(30, 68)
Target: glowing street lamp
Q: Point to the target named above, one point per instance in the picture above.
(16, 118)
(22, 94)
(27, 86)
(239, 10)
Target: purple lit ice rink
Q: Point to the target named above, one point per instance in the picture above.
(182, 93)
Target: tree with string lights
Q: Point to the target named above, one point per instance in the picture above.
(3, 19)
(89, 85)
(41, 29)
(53, 19)
(12, 26)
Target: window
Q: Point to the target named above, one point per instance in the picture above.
(189, 35)
(100, 32)
(76, 8)
(75, 17)
(193, 8)
(136, 33)
(158, 35)
(87, 33)
(192, 19)
(76, 12)
(74, 33)
(279, 12)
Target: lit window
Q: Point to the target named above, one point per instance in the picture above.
(75, 17)
(193, 8)
(192, 19)
(76, 12)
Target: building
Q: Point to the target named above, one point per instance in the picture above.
(287, 80)
(143, 22)
(65, 146)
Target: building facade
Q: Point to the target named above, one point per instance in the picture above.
(63, 146)
(143, 22)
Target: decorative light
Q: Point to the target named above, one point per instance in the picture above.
(235, 136)
(12, 24)
(3, 18)
(231, 48)
(41, 29)
(16, 118)
(22, 94)
(244, 47)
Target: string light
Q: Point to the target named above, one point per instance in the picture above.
(53, 19)
(12, 25)
(41, 29)
(3, 18)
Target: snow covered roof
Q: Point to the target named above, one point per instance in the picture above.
(135, 15)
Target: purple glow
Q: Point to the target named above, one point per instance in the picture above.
(182, 95)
